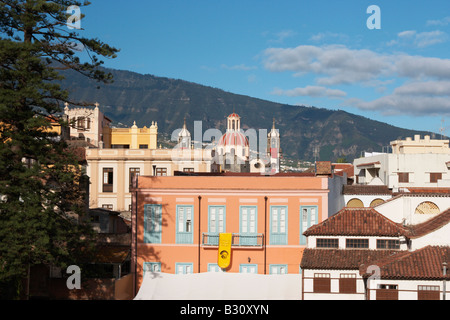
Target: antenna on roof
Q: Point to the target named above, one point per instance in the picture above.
(316, 152)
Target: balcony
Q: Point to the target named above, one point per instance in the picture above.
(238, 240)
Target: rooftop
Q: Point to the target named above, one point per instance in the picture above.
(357, 222)
(425, 263)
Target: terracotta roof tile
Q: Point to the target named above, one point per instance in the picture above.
(366, 189)
(424, 263)
(437, 222)
(323, 167)
(357, 222)
(340, 258)
(427, 191)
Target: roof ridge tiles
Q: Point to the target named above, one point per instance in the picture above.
(357, 222)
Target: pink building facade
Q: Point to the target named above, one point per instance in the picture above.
(177, 222)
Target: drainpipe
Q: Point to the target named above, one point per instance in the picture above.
(265, 233)
(444, 265)
(199, 228)
(135, 242)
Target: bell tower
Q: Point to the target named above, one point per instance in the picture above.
(274, 148)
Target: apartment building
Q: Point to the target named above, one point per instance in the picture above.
(412, 163)
(177, 222)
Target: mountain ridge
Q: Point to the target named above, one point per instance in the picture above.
(145, 98)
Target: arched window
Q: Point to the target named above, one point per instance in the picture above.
(355, 203)
(376, 202)
(427, 207)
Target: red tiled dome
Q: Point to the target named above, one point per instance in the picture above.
(233, 139)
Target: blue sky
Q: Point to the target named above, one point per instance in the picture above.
(313, 53)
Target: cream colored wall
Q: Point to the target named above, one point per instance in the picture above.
(121, 160)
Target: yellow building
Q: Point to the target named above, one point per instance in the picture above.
(131, 138)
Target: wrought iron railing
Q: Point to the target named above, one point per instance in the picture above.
(238, 239)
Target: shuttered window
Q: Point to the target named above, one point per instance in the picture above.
(322, 283)
(347, 283)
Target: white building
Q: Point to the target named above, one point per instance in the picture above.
(412, 163)
(395, 250)
(87, 124)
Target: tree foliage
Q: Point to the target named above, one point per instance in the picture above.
(42, 185)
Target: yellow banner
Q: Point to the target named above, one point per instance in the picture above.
(225, 240)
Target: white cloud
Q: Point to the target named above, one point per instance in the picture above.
(407, 33)
(417, 67)
(425, 88)
(425, 39)
(311, 91)
(419, 40)
(417, 98)
(279, 37)
(398, 104)
(335, 64)
(423, 83)
(329, 35)
(442, 22)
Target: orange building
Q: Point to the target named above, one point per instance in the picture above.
(176, 221)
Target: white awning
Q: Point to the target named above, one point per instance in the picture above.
(220, 286)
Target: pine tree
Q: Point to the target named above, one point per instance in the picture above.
(41, 182)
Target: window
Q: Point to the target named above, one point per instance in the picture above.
(327, 243)
(278, 225)
(161, 172)
(80, 123)
(403, 177)
(108, 179)
(427, 207)
(107, 206)
(308, 218)
(152, 223)
(120, 146)
(216, 223)
(216, 219)
(434, 177)
(184, 268)
(357, 243)
(151, 267)
(248, 225)
(388, 244)
(248, 268)
(355, 203)
(278, 269)
(143, 146)
(188, 170)
(214, 267)
(322, 283)
(387, 292)
(185, 224)
(428, 293)
(347, 283)
(134, 172)
(376, 202)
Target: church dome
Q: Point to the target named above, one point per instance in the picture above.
(234, 135)
(233, 138)
(184, 137)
